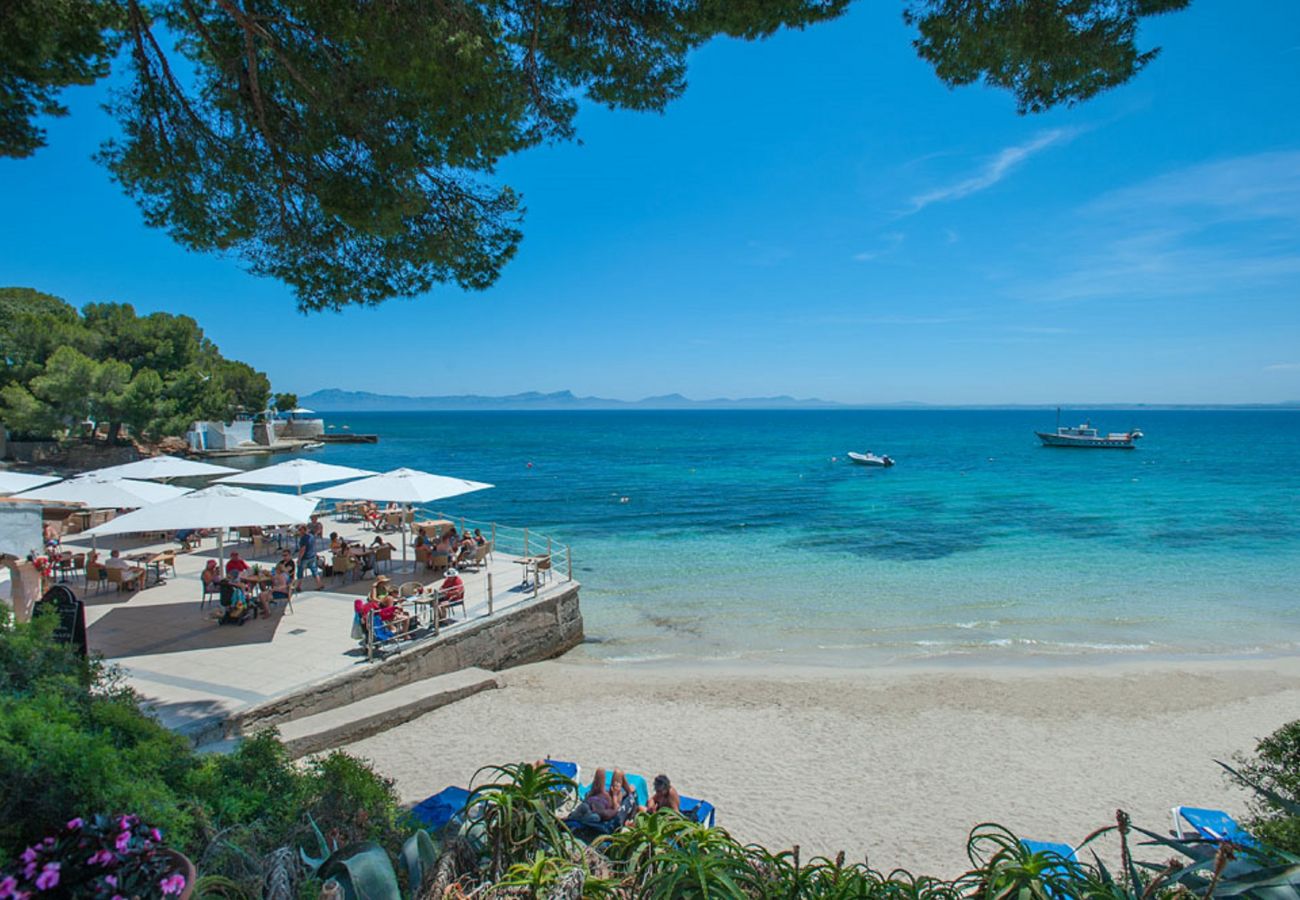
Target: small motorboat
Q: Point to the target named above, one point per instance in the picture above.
(870, 459)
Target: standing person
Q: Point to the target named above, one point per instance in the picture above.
(307, 560)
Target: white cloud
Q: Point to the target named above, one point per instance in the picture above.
(994, 170)
(1283, 367)
(1228, 228)
(889, 244)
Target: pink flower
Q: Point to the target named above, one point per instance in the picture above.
(100, 858)
(8, 887)
(173, 884)
(48, 878)
(123, 841)
(29, 871)
(74, 824)
(155, 834)
(29, 855)
(110, 880)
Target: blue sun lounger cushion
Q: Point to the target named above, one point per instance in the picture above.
(440, 809)
(1065, 851)
(569, 770)
(701, 811)
(1214, 825)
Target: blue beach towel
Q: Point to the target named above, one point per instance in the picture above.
(1215, 825)
(440, 809)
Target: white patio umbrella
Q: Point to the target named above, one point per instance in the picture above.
(163, 467)
(106, 493)
(296, 473)
(13, 482)
(406, 486)
(220, 506)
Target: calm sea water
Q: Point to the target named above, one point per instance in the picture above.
(742, 538)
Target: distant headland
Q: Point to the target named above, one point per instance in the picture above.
(336, 400)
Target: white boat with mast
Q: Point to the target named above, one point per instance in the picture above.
(1086, 437)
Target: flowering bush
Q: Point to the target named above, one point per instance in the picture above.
(105, 857)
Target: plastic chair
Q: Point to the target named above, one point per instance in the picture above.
(1213, 825)
(98, 573)
(211, 591)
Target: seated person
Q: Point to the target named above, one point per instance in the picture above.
(188, 538)
(422, 539)
(282, 581)
(380, 542)
(286, 556)
(478, 538)
(445, 544)
(131, 574)
(236, 566)
(336, 542)
(664, 797)
(381, 602)
(211, 576)
(465, 552)
(452, 589)
(599, 806)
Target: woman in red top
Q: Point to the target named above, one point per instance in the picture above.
(452, 590)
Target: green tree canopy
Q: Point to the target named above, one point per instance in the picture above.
(347, 149)
(106, 365)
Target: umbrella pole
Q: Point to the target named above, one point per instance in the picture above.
(221, 553)
(402, 529)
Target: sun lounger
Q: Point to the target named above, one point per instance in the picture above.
(569, 770)
(1212, 824)
(440, 810)
(1065, 851)
(701, 811)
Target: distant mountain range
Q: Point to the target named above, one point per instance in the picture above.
(335, 400)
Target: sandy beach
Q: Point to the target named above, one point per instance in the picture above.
(895, 762)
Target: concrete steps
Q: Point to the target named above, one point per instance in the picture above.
(379, 712)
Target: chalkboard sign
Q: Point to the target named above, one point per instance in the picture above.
(71, 627)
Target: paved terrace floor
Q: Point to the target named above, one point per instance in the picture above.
(189, 670)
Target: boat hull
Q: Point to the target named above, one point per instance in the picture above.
(1086, 443)
(879, 462)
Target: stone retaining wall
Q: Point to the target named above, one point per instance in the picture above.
(533, 631)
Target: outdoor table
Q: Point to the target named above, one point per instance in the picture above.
(528, 562)
(149, 562)
(434, 527)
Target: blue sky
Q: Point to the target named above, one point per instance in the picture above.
(818, 216)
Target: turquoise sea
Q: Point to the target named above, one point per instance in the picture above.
(746, 534)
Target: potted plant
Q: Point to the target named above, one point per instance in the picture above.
(106, 857)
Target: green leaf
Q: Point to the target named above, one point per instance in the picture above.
(364, 871)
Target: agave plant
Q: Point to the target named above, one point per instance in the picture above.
(516, 815)
(364, 871)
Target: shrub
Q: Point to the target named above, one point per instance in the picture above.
(1276, 768)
